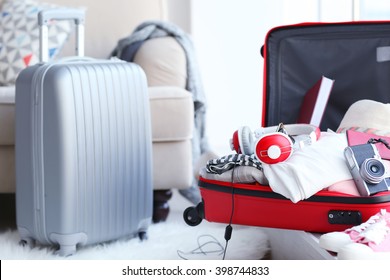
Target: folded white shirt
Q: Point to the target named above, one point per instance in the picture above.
(311, 168)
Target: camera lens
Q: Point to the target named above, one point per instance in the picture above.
(372, 171)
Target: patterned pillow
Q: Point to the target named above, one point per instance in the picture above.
(19, 40)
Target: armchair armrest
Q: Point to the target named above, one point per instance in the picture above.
(172, 113)
(172, 117)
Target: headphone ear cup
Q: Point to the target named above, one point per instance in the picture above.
(273, 148)
(234, 143)
(245, 139)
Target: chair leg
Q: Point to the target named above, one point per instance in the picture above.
(160, 205)
(7, 211)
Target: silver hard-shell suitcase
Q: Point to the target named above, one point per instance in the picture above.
(83, 148)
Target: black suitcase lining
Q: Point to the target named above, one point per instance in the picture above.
(297, 57)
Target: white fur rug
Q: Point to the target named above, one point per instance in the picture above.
(170, 240)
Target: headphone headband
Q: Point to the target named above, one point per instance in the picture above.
(274, 144)
(292, 129)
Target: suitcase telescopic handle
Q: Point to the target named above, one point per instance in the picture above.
(45, 16)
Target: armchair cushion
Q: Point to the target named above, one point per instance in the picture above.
(172, 114)
(172, 117)
(164, 62)
(19, 40)
(172, 165)
(7, 115)
(7, 169)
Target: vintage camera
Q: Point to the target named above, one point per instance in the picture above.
(367, 169)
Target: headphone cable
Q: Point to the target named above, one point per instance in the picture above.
(229, 228)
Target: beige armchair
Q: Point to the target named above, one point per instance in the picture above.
(167, 55)
(7, 156)
(7, 140)
(164, 63)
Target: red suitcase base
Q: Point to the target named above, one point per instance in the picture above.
(258, 205)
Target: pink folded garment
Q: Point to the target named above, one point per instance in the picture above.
(346, 186)
(358, 138)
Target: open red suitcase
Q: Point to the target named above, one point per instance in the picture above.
(357, 56)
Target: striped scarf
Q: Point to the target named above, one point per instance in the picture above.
(225, 163)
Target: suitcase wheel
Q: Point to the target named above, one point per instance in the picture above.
(27, 242)
(142, 235)
(191, 215)
(66, 250)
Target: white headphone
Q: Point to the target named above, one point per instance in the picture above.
(274, 144)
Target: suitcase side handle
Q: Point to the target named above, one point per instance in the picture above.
(45, 16)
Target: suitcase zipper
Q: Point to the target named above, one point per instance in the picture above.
(38, 168)
(384, 198)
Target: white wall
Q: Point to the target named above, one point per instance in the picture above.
(228, 35)
(108, 21)
(178, 12)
